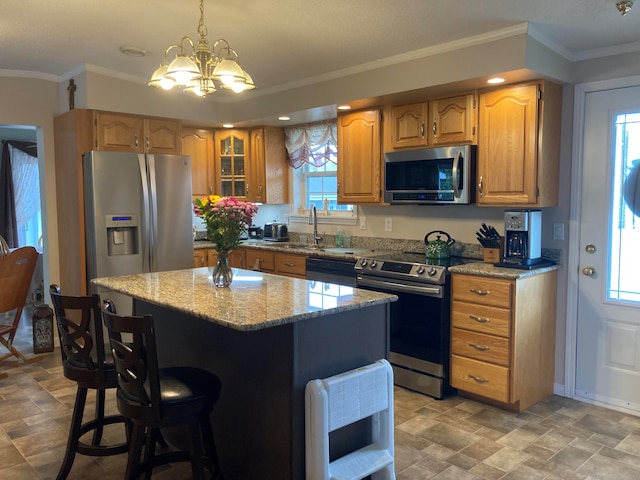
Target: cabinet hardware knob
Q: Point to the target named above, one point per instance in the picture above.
(434, 128)
(480, 191)
(480, 292)
(479, 319)
(422, 130)
(482, 348)
(135, 140)
(147, 143)
(479, 379)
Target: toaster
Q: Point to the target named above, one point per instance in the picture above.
(275, 232)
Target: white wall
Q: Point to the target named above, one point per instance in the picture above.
(34, 102)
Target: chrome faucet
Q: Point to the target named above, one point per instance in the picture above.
(313, 220)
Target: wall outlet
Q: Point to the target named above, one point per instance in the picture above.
(363, 223)
(388, 224)
(558, 231)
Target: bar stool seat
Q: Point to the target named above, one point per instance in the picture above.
(83, 359)
(152, 398)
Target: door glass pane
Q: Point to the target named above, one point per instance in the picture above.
(238, 146)
(624, 230)
(238, 166)
(226, 188)
(225, 166)
(238, 188)
(225, 146)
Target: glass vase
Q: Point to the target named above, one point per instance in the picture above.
(222, 273)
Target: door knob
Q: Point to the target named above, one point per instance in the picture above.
(588, 271)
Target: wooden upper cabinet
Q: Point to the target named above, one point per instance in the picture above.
(268, 180)
(131, 133)
(198, 144)
(453, 120)
(519, 145)
(118, 132)
(231, 154)
(162, 136)
(407, 126)
(359, 157)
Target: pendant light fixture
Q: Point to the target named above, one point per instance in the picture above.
(199, 69)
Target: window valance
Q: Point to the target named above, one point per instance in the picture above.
(310, 143)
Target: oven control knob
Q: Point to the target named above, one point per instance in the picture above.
(420, 270)
(364, 262)
(373, 263)
(432, 271)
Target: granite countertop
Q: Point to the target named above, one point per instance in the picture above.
(490, 270)
(255, 300)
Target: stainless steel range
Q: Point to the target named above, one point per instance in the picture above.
(419, 321)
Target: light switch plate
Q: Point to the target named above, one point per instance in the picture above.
(558, 231)
(388, 224)
(363, 223)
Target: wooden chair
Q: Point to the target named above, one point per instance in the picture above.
(82, 349)
(153, 398)
(16, 271)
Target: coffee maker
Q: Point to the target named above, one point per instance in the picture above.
(522, 231)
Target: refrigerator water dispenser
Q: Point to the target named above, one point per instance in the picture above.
(122, 234)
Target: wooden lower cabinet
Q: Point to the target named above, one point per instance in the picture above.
(260, 260)
(291, 265)
(200, 258)
(503, 338)
(288, 264)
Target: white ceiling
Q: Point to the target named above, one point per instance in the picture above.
(285, 41)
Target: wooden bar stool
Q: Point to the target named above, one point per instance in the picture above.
(153, 398)
(83, 360)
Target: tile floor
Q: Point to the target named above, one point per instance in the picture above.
(453, 439)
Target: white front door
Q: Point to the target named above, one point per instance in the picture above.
(608, 310)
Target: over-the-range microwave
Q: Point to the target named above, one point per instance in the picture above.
(443, 175)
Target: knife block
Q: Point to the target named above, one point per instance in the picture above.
(494, 255)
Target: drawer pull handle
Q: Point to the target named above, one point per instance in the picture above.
(479, 379)
(479, 319)
(479, 292)
(482, 348)
(290, 265)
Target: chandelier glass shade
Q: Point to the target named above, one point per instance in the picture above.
(199, 69)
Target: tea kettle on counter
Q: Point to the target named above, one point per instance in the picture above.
(438, 248)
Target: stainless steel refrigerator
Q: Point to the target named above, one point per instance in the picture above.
(138, 215)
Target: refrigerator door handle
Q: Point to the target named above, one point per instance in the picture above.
(146, 208)
(153, 207)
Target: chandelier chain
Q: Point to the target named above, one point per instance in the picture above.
(202, 28)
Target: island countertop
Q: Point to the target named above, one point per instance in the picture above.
(254, 301)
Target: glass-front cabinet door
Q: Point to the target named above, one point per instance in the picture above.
(231, 162)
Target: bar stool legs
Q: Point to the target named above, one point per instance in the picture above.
(78, 429)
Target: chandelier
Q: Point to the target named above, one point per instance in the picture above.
(624, 6)
(198, 69)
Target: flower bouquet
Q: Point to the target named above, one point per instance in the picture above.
(226, 218)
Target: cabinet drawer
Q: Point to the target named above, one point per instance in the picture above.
(480, 318)
(482, 290)
(287, 264)
(486, 348)
(485, 379)
(260, 260)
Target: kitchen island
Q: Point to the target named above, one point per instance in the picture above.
(265, 337)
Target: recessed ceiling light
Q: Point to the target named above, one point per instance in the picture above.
(284, 118)
(227, 125)
(344, 107)
(133, 51)
(495, 80)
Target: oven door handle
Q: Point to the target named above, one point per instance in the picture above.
(429, 291)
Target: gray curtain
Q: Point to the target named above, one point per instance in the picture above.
(8, 225)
